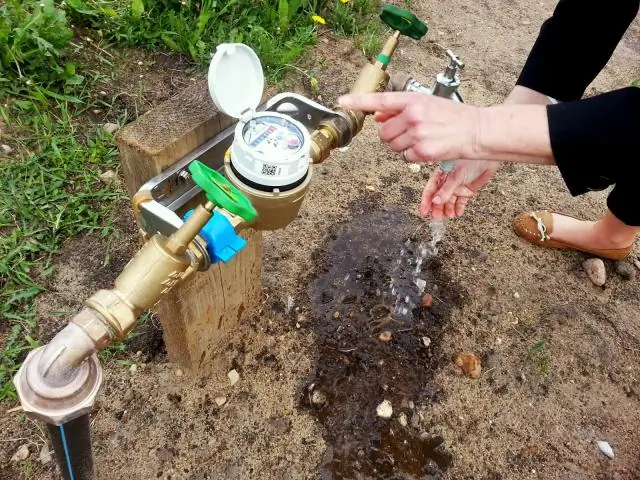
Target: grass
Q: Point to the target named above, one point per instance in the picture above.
(50, 193)
(539, 357)
(51, 188)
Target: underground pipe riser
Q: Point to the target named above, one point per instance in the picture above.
(72, 447)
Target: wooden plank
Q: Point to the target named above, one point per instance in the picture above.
(196, 316)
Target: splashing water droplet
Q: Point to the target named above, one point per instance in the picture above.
(407, 294)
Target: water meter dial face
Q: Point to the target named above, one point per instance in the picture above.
(271, 150)
(273, 137)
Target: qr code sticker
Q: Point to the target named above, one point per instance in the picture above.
(269, 169)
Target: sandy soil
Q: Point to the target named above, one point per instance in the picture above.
(559, 370)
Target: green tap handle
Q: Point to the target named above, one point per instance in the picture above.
(404, 21)
(221, 192)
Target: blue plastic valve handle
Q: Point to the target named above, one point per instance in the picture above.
(223, 243)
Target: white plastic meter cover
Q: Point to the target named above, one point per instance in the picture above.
(269, 148)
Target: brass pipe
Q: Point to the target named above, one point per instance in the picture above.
(338, 131)
(180, 240)
(59, 382)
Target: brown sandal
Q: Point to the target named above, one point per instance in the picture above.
(536, 227)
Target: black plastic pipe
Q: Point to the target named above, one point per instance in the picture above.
(72, 447)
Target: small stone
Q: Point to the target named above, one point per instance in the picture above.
(133, 368)
(370, 188)
(318, 398)
(605, 448)
(427, 300)
(108, 177)
(469, 363)
(625, 270)
(415, 421)
(220, 401)
(6, 148)
(103, 93)
(349, 298)
(110, 128)
(234, 377)
(385, 409)
(45, 454)
(385, 336)
(21, 454)
(128, 396)
(403, 420)
(516, 295)
(414, 168)
(336, 315)
(426, 341)
(595, 270)
(178, 372)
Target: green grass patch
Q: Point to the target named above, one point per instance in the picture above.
(51, 192)
(540, 358)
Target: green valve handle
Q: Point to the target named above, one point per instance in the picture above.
(404, 21)
(221, 192)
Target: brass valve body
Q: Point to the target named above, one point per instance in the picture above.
(275, 209)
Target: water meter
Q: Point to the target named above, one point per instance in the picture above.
(270, 150)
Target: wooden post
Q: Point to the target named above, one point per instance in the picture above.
(196, 315)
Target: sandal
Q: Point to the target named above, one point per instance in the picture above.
(536, 227)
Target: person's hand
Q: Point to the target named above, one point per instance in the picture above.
(425, 128)
(447, 194)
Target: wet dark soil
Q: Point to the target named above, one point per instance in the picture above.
(373, 271)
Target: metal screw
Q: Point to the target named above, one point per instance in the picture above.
(184, 176)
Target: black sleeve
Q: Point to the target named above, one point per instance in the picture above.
(595, 141)
(574, 45)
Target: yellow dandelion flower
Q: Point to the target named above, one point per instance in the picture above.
(344, 1)
(319, 19)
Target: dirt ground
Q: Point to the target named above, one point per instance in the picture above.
(559, 366)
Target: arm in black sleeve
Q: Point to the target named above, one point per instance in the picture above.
(595, 141)
(574, 45)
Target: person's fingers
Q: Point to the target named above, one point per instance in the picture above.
(382, 117)
(427, 193)
(388, 102)
(449, 209)
(461, 204)
(437, 213)
(405, 141)
(392, 128)
(452, 181)
(479, 182)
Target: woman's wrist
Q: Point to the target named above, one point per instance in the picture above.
(516, 133)
(525, 96)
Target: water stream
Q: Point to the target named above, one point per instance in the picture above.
(408, 290)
